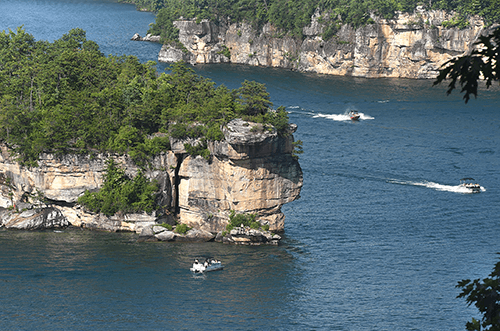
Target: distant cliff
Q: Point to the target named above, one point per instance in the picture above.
(251, 171)
(408, 46)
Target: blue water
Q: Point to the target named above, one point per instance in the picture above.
(378, 240)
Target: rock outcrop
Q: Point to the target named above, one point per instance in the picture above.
(148, 37)
(247, 236)
(160, 233)
(408, 46)
(34, 219)
(251, 171)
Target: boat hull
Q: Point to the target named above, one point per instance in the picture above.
(473, 188)
(212, 267)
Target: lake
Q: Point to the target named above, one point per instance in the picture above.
(378, 241)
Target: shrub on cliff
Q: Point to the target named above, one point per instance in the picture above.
(236, 220)
(182, 228)
(119, 193)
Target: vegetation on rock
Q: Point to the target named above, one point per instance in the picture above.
(292, 16)
(247, 220)
(67, 97)
(119, 193)
(182, 228)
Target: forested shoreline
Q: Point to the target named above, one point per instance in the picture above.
(67, 97)
(292, 16)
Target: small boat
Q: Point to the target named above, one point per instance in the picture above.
(208, 265)
(353, 114)
(470, 185)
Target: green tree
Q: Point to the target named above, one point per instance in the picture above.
(485, 295)
(253, 98)
(67, 97)
(119, 193)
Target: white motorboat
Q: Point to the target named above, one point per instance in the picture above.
(470, 185)
(208, 265)
(354, 115)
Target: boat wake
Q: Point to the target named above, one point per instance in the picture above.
(342, 117)
(437, 187)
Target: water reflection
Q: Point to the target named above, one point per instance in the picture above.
(85, 274)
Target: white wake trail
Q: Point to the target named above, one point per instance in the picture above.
(342, 117)
(439, 187)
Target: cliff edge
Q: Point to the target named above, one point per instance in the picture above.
(252, 170)
(408, 46)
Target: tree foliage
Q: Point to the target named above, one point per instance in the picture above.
(236, 220)
(483, 62)
(119, 193)
(292, 16)
(67, 97)
(485, 295)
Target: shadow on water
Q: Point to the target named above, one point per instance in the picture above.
(99, 269)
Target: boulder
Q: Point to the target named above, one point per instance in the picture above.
(199, 235)
(147, 234)
(247, 236)
(165, 236)
(151, 38)
(157, 229)
(219, 237)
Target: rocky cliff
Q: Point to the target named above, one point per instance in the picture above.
(251, 171)
(408, 46)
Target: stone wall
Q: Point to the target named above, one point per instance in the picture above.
(408, 46)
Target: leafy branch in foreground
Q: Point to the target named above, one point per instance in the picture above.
(483, 62)
(485, 295)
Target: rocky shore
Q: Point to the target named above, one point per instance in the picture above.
(239, 236)
(148, 37)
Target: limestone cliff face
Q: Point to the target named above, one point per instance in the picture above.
(57, 183)
(408, 46)
(251, 171)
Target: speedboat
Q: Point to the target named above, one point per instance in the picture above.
(208, 265)
(353, 114)
(470, 185)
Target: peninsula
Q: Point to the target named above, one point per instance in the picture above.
(107, 143)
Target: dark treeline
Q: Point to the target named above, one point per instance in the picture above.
(67, 97)
(291, 15)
